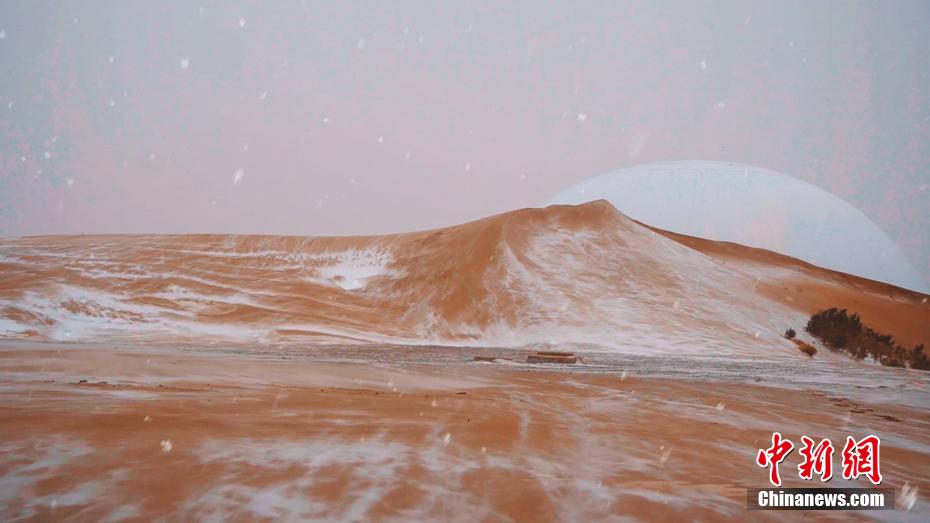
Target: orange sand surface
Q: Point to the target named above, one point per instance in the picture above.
(578, 277)
(197, 435)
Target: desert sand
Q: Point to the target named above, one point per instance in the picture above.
(91, 433)
(572, 275)
(216, 377)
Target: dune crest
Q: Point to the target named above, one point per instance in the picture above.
(583, 275)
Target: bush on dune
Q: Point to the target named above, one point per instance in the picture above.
(845, 332)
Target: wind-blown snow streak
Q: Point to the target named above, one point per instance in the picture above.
(584, 275)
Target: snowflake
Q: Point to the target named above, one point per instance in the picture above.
(360, 44)
(166, 445)
(237, 176)
(908, 496)
(582, 117)
(703, 65)
(241, 23)
(665, 455)
(185, 63)
(446, 439)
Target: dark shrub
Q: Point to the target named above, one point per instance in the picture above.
(790, 333)
(845, 332)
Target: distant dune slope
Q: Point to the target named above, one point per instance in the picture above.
(582, 275)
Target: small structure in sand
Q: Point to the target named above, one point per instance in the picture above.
(552, 357)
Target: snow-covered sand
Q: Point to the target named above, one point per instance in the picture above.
(108, 432)
(584, 277)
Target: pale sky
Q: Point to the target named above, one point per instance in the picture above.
(360, 118)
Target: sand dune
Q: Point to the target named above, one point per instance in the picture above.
(253, 377)
(583, 276)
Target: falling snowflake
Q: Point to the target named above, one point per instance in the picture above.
(446, 439)
(721, 105)
(703, 65)
(48, 154)
(111, 59)
(152, 157)
(522, 176)
(720, 406)
(9, 105)
(147, 419)
(237, 176)
(582, 117)
(665, 455)
(407, 155)
(360, 44)
(326, 120)
(263, 96)
(70, 182)
(467, 167)
(908, 496)
(185, 62)
(241, 23)
(112, 103)
(166, 445)
(380, 139)
(2, 35)
(421, 39)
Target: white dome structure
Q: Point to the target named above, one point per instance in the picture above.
(755, 207)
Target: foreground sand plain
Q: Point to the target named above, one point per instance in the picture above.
(210, 435)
